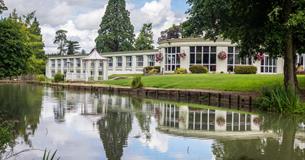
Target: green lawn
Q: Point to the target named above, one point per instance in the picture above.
(225, 82)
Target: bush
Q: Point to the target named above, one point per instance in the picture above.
(180, 71)
(153, 71)
(198, 69)
(137, 82)
(245, 70)
(58, 77)
(278, 99)
(41, 78)
(149, 69)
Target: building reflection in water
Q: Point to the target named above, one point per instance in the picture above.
(113, 115)
(185, 117)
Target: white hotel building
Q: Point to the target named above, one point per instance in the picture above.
(196, 51)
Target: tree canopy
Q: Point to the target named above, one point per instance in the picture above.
(72, 47)
(116, 32)
(274, 27)
(14, 48)
(61, 40)
(171, 33)
(145, 39)
(2, 6)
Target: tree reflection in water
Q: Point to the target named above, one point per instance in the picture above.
(114, 129)
(285, 144)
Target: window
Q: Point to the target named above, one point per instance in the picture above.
(140, 61)
(268, 65)
(78, 62)
(53, 63)
(128, 61)
(151, 60)
(203, 55)
(110, 62)
(119, 61)
(172, 60)
(65, 63)
(234, 59)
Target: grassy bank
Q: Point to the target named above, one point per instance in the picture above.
(224, 82)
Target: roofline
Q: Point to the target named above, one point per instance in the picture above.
(192, 40)
(105, 53)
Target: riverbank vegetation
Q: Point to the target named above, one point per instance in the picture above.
(21, 48)
(220, 82)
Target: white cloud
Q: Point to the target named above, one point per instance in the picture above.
(81, 18)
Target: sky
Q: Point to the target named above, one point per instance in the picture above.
(81, 18)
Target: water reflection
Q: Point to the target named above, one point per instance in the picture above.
(83, 125)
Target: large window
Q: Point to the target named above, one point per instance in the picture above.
(235, 60)
(268, 65)
(119, 61)
(203, 55)
(128, 61)
(140, 61)
(172, 60)
(151, 60)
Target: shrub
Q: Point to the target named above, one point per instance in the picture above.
(180, 71)
(153, 71)
(149, 69)
(58, 77)
(41, 77)
(198, 69)
(278, 99)
(245, 70)
(137, 82)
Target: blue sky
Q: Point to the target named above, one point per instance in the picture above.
(81, 18)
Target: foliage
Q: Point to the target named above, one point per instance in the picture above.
(83, 52)
(41, 77)
(145, 39)
(47, 155)
(180, 71)
(153, 72)
(72, 47)
(58, 77)
(116, 32)
(14, 48)
(279, 99)
(273, 27)
(5, 133)
(61, 40)
(2, 6)
(245, 70)
(173, 32)
(221, 82)
(198, 69)
(137, 82)
(148, 69)
(35, 65)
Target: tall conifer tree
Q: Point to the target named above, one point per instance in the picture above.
(116, 32)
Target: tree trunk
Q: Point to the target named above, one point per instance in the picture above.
(290, 78)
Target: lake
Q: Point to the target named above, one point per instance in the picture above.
(85, 125)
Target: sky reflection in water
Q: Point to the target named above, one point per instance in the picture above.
(83, 125)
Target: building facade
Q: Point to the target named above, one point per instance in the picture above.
(170, 55)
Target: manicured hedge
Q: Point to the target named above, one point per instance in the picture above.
(198, 69)
(180, 71)
(152, 69)
(245, 70)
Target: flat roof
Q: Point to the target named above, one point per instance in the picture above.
(193, 40)
(105, 53)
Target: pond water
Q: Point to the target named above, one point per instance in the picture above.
(84, 125)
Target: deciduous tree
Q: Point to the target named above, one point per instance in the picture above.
(275, 27)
